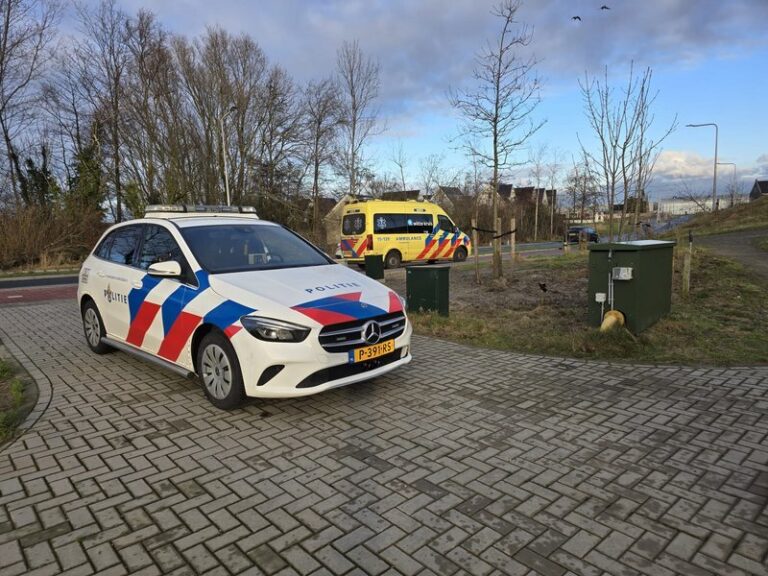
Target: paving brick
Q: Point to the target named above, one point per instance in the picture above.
(436, 469)
(10, 554)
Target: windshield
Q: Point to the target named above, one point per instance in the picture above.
(246, 247)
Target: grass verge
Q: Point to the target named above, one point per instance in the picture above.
(740, 217)
(721, 322)
(16, 399)
(761, 243)
(23, 272)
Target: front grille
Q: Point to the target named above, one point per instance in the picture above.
(344, 370)
(349, 335)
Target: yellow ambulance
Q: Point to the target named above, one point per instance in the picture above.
(400, 231)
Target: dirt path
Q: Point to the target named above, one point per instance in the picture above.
(740, 247)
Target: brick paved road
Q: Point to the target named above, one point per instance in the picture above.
(466, 461)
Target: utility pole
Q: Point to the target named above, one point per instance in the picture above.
(224, 151)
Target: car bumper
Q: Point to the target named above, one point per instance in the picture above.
(306, 368)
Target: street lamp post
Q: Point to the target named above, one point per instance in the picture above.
(714, 180)
(733, 185)
(224, 150)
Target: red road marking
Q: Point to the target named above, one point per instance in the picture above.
(37, 294)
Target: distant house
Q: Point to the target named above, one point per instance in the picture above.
(401, 195)
(505, 193)
(449, 198)
(759, 190)
(519, 195)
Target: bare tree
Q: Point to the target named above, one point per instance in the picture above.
(359, 81)
(646, 149)
(621, 121)
(537, 171)
(224, 85)
(26, 30)
(430, 170)
(497, 111)
(400, 160)
(583, 187)
(553, 173)
(103, 57)
(321, 103)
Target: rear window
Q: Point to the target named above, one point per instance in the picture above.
(353, 224)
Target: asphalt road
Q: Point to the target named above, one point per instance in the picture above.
(30, 282)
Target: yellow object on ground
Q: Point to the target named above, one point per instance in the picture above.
(612, 319)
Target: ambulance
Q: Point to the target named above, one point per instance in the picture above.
(246, 306)
(400, 231)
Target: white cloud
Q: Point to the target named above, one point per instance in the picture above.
(675, 164)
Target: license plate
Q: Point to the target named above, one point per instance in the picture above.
(370, 352)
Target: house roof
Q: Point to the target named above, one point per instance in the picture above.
(401, 195)
(453, 192)
(762, 185)
(505, 190)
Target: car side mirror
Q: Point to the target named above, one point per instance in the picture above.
(167, 269)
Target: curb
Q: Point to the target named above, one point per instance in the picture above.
(44, 387)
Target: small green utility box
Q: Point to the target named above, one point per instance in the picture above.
(426, 288)
(374, 267)
(636, 275)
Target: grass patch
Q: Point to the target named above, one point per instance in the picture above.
(761, 243)
(12, 401)
(721, 322)
(740, 217)
(23, 272)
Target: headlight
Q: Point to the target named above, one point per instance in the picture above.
(274, 330)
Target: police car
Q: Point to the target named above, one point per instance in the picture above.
(247, 305)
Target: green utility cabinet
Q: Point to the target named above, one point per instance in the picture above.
(374, 267)
(426, 288)
(641, 273)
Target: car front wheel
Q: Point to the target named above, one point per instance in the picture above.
(219, 372)
(460, 255)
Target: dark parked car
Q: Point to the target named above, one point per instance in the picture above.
(589, 234)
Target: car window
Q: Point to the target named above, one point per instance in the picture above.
(124, 243)
(445, 223)
(353, 224)
(390, 224)
(102, 251)
(159, 246)
(420, 223)
(243, 247)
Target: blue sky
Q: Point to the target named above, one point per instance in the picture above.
(709, 57)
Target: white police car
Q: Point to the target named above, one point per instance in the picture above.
(247, 305)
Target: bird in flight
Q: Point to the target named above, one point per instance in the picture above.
(604, 7)
(576, 18)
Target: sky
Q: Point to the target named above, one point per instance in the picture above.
(709, 61)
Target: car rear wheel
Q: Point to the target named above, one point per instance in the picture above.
(460, 255)
(93, 328)
(393, 259)
(219, 372)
